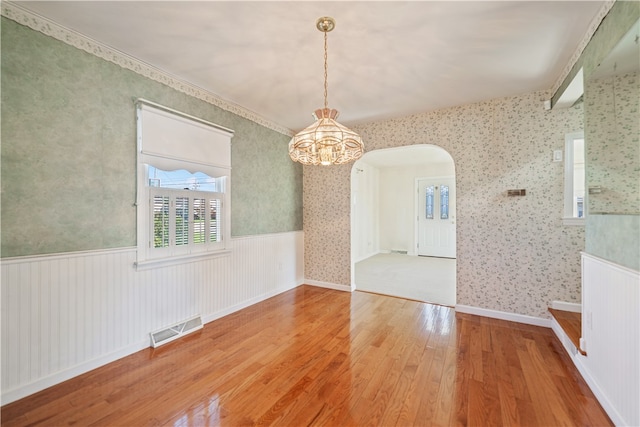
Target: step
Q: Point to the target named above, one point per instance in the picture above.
(571, 324)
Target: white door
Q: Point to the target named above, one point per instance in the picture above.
(436, 217)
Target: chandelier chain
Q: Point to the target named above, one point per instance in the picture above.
(326, 105)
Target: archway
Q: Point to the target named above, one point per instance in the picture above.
(403, 200)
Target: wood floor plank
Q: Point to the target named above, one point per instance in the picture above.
(508, 405)
(314, 356)
(445, 400)
(541, 387)
(475, 352)
(421, 358)
(429, 395)
(490, 397)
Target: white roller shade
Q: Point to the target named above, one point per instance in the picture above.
(166, 136)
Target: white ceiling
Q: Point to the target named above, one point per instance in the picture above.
(386, 58)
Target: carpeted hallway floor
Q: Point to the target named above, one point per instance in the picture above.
(425, 279)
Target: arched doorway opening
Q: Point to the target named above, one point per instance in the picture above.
(403, 215)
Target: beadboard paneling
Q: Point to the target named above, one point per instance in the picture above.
(611, 332)
(68, 313)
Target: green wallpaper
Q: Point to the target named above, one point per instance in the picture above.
(612, 237)
(68, 152)
(615, 238)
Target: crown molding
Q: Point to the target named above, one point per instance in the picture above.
(595, 23)
(49, 28)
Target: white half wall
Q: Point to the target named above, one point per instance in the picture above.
(65, 314)
(611, 337)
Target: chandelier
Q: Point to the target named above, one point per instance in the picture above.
(325, 142)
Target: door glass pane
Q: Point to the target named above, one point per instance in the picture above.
(182, 221)
(160, 221)
(429, 200)
(199, 217)
(444, 202)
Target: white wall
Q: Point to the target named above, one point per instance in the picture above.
(611, 337)
(365, 215)
(383, 205)
(66, 314)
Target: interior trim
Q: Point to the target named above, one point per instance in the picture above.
(503, 315)
(604, 10)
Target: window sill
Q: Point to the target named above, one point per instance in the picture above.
(579, 222)
(175, 260)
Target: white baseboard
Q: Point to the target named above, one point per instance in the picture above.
(46, 382)
(567, 306)
(503, 315)
(328, 285)
(247, 303)
(363, 257)
(616, 418)
(563, 338)
(577, 360)
(24, 391)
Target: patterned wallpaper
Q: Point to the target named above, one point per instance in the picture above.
(68, 151)
(514, 254)
(613, 143)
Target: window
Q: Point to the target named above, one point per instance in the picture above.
(186, 210)
(574, 179)
(183, 178)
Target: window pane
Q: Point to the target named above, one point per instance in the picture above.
(199, 216)
(580, 207)
(578, 178)
(444, 202)
(182, 221)
(429, 201)
(214, 209)
(181, 180)
(160, 221)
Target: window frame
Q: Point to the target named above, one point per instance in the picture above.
(150, 257)
(568, 218)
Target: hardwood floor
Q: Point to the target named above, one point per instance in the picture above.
(314, 356)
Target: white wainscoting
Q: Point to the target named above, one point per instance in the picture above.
(611, 334)
(66, 314)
